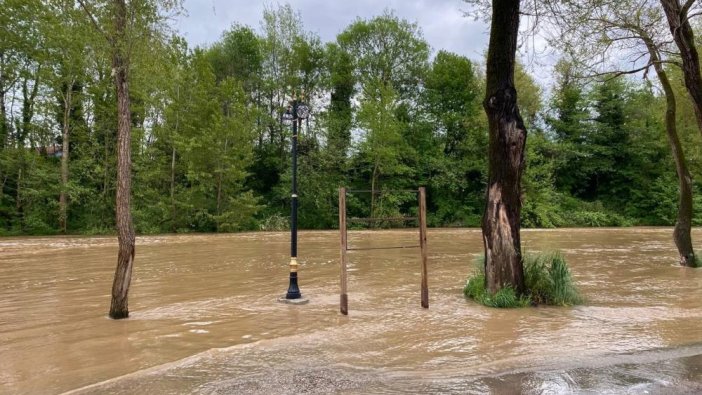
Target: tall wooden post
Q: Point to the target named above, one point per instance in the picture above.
(423, 244)
(343, 299)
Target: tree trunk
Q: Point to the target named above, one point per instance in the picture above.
(3, 120)
(173, 204)
(173, 165)
(28, 99)
(125, 228)
(106, 172)
(679, 24)
(683, 224)
(3, 112)
(374, 178)
(501, 223)
(219, 194)
(18, 193)
(63, 201)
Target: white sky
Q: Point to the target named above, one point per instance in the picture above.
(441, 21)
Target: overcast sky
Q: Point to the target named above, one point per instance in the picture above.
(442, 21)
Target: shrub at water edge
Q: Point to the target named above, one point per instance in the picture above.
(547, 279)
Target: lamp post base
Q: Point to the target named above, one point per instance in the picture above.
(293, 289)
(297, 301)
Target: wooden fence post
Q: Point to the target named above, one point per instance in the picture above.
(423, 244)
(343, 299)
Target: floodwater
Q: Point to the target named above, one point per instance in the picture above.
(205, 317)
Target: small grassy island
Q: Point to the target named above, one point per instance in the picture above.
(547, 278)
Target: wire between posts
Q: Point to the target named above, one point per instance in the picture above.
(381, 191)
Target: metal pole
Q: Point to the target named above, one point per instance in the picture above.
(293, 289)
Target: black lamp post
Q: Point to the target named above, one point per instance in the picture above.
(296, 112)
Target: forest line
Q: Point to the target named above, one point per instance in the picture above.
(210, 151)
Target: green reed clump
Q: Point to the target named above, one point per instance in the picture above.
(504, 298)
(546, 277)
(548, 280)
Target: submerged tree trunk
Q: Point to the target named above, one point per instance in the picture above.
(683, 224)
(125, 228)
(501, 223)
(679, 24)
(63, 200)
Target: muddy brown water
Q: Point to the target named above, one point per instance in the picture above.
(204, 317)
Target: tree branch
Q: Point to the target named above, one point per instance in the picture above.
(685, 8)
(688, 17)
(94, 21)
(614, 74)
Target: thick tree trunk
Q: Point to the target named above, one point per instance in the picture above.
(125, 228)
(63, 200)
(683, 224)
(501, 223)
(679, 24)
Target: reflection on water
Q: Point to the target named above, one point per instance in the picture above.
(204, 317)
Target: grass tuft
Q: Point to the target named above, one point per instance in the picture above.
(504, 298)
(697, 263)
(547, 278)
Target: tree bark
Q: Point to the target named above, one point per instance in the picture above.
(23, 131)
(683, 224)
(683, 35)
(3, 112)
(125, 228)
(63, 201)
(28, 100)
(374, 183)
(173, 204)
(501, 222)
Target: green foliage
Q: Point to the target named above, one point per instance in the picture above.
(210, 153)
(388, 53)
(547, 279)
(457, 153)
(698, 262)
(275, 222)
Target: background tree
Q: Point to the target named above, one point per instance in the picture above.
(452, 91)
(128, 21)
(390, 57)
(634, 30)
(209, 151)
(678, 16)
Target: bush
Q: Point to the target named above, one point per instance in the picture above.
(546, 277)
(276, 223)
(548, 280)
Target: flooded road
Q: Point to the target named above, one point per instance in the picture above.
(204, 317)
